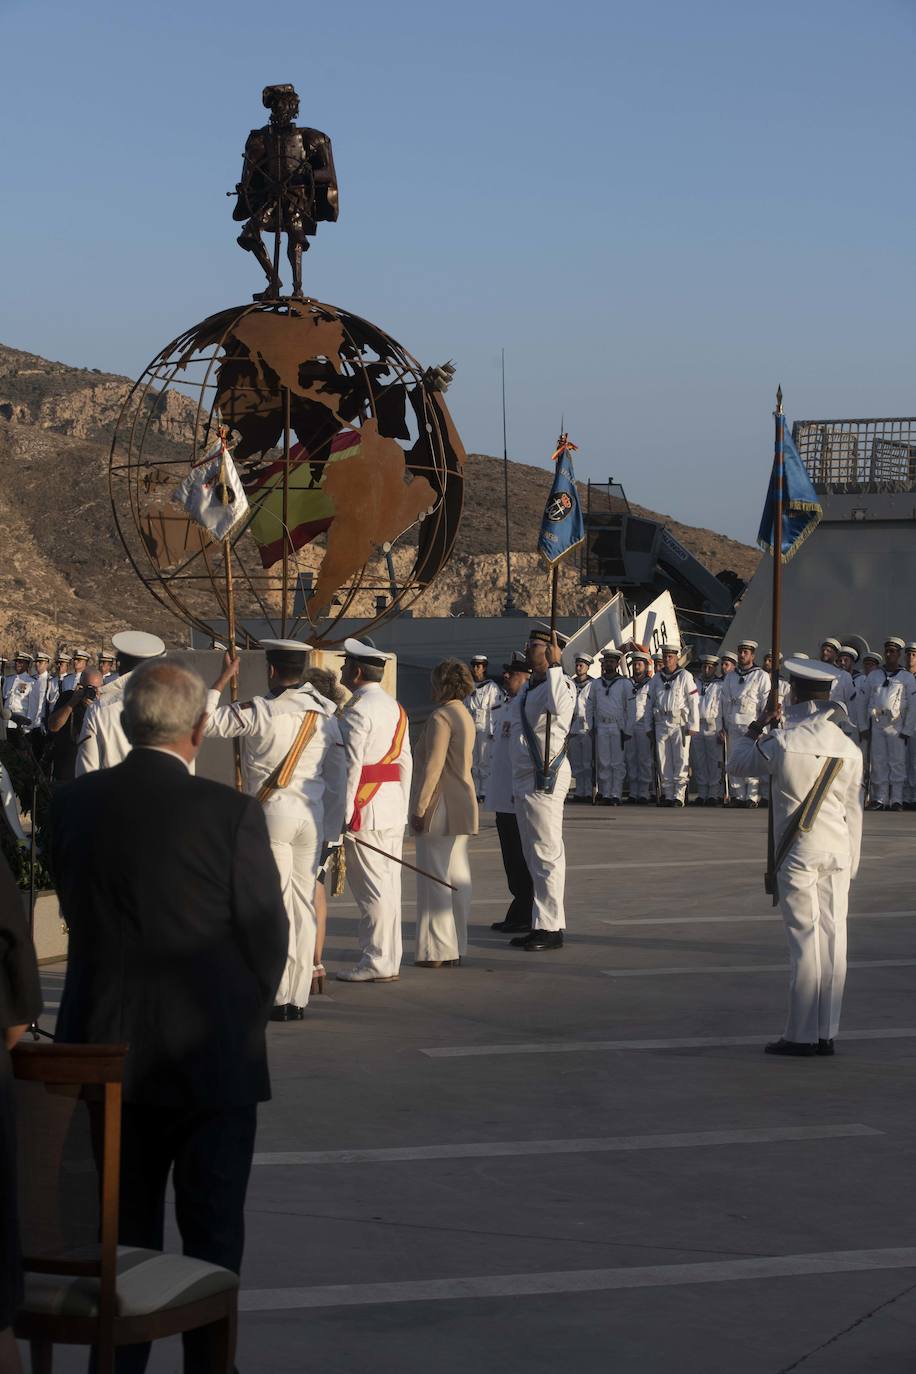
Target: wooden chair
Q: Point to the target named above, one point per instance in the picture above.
(81, 1287)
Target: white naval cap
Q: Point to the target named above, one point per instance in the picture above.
(851, 650)
(364, 652)
(39, 658)
(611, 653)
(639, 657)
(134, 644)
(895, 640)
(809, 670)
(480, 658)
(84, 653)
(285, 646)
(106, 655)
(709, 658)
(834, 643)
(747, 644)
(670, 649)
(584, 658)
(730, 655)
(910, 648)
(21, 653)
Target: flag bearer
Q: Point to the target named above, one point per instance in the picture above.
(815, 773)
(744, 699)
(890, 709)
(706, 749)
(581, 733)
(480, 703)
(293, 761)
(609, 710)
(673, 701)
(379, 768)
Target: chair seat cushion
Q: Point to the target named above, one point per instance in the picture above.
(148, 1281)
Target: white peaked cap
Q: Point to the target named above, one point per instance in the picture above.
(365, 653)
(21, 653)
(84, 653)
(834, 643)
(670, 649)
(730, 655)
(39, 657)
(584, 658)
(851, 650)
(478, 658)
(809, 670)
(133, 643)
(747, 644)
(285, 646)
(895, 640)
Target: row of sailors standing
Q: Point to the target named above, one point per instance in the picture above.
(31, 691)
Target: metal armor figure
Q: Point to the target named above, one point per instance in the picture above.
(288, 184)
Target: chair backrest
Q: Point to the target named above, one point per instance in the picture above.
(68, 1115)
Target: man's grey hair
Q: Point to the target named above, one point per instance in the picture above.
(163, 701)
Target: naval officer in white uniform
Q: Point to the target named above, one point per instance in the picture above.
(815, 773)
(540, 783)
(673, 702)
(744, 697)
(103, 742)
(293, 761)
(379, 769)
(486, 695)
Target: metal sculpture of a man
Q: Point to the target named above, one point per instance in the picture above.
(288, 184)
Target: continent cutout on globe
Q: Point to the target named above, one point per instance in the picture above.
(285, 342)
(374, 502)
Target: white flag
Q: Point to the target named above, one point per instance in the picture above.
(212, 493)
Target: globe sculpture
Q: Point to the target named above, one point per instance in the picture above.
(350, 466)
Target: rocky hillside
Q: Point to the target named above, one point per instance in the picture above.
(64, 575)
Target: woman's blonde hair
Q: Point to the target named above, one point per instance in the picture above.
(452, 680)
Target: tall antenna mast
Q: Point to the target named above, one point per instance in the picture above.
(510, 603)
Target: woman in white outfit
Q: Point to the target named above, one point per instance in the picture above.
(443, 815)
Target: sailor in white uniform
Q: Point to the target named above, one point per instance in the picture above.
(293, 760)
(61, 669)
(890, 710)
(379, 768)
(706, 749)
(909, 786)
(78, 662)
(107, 666)
(609, 713)
(480, 703)
(103, 742)
(673, 702)
(38, 697)
(540, 780)
(744, 698)
(815, 773)
(17, 691)
(501, 802)
(581, 732)
(638, 730)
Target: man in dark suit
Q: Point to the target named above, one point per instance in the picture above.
(178, 938)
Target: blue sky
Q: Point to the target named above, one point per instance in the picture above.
(659, 210)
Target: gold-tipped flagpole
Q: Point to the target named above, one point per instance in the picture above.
(554, 585)
(778, 480)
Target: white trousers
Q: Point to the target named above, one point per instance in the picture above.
(673, 760)
(295, 847)
(376, 886)
(442, 916)
(610, 760)
(540, 825)
(640, 767)
(579, 753)
(888, 766)
(814, 900)
(706, 758)
(740, 789)
(480, 761)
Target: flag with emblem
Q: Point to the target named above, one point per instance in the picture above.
(801, 510)
(309, 508)
(562, 529)
(212, 493)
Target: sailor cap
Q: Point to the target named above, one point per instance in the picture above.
(639, 657)
(584, 658)
(39, 658)
(728, 655)
(809, 670)
(84, 653)
(361, 651)
(285, 646)
(709, 658)
(769, 654)
(670, 649)
(611, 653)
(480, 658)
(747, 644)
(851, 650)
(872, 655)
(895, 640)
(134, 644)
(834, 643)
(910, 648)
(21, 653)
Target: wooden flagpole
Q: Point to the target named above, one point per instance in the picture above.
(554, 583)
(778, 481)
(230, 627)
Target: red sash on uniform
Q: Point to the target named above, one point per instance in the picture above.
(372, 775)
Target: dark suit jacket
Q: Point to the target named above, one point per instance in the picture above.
(178, 934)
(20, 992)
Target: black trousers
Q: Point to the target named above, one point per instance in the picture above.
(517, 875)
(209, 1154)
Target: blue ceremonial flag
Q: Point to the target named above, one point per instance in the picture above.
(801, 510)
(562, 529)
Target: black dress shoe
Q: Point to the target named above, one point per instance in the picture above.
(793, 1048)
(825, 1048)
(286, 1012)
(642, 801)
(666, 801)
(541, 939)
(896, 806)
(507, 927)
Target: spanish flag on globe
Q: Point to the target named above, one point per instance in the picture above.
(309, 509)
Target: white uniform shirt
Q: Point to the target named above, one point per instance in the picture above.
(17, 689)
(674, 700)
(368, 724)
(843, 690)
(582, 721)
(890, 702)
(499, 782)
(267, 727)
(481, 702)
(609, 702)
(638, 708)
(553, 698)
(744, 696)
(103, 742)
(54, 691)
(709, 705)
(793, 757)
(37, 699)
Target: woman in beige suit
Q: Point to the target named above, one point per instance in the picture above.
(443, 815)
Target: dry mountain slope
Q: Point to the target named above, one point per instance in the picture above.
(64, 575)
